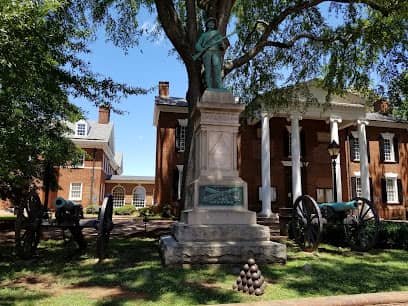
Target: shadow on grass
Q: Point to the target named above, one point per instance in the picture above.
(334, 271)
(132, 273)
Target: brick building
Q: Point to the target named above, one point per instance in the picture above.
(284, 154)
(98, 173)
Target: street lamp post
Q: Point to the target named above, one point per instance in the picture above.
(334, 150)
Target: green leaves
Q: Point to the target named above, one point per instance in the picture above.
(40, 44)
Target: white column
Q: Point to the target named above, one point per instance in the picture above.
(266, 167)
(364, 172)
(334, 135)
(295, 153)
(180, 180)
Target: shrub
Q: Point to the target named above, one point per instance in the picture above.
(92, 209)
(166, 211)
(127, 209)
(393, 235)
(145, 212)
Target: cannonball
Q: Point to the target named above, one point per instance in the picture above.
(242, 273)
(234, 287)
(249, 282)
(251, 261)
(261, 279)
(239, 280)
(256, 283)
(248, 274)
(246, 267)
(245, 288)
(254, 268)
(251, 290)
(240, 287)
(244, 281)
(258, 292)
(255, 275)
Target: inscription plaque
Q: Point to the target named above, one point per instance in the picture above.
(213, 195)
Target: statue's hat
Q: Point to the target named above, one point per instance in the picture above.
(210, 19)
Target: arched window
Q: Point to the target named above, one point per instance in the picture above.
(118, 194)
(139, 197)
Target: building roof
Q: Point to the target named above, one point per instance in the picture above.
(130, 178)
(96, 131)
(168, 104)
(385, 118)
(98, 135)
(171, 101)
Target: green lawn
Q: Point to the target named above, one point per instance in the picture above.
(133, 275)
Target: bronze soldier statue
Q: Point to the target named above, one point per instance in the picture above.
(210, 47)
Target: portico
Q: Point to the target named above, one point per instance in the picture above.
(343, 114)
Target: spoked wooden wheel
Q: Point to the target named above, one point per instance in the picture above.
(28, 225)
(104, 227)
(361, 225)
(307, 223)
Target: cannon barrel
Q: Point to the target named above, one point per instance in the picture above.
(61, 203)
(340, 206)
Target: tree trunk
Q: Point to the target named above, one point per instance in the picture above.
(194, 92)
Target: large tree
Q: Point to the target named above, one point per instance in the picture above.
(40, 44)
(347, 43)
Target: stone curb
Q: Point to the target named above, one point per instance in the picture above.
(383, 298)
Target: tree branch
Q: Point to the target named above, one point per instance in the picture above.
(174, 28)
(290, 43)
(223, 14)
(191, 22)
(276, 21)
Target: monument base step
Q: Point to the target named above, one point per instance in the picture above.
(218, 216)
(232, 252)
(224, 232)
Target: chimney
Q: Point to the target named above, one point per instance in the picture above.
(104, 114)
(382, 107)
(164, 89)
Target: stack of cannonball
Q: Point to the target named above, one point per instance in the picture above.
(250, 279)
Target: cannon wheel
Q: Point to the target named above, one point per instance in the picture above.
(28, 226)
(104, 227)
(307, 223)
(361, 225)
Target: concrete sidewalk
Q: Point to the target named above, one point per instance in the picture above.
(370, 299)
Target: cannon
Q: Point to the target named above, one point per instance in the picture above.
(31, 219)
(67, 211)
(358, 219)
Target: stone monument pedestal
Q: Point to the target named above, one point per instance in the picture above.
(216, 225)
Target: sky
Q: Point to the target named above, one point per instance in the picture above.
(143, 66)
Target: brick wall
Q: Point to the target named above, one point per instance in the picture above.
(317, 174)
(129, 188)
(377, 169)
(92, 172)
(166, 158)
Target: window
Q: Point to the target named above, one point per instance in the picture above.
(357, 190)
(80, 129)
(118, 195)
(389, 148)
(354, 146)
(324, 195)
(391, 189)
(181, 130)
(80, 163)
(288, 141)
(139, 197)
(75, 191)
